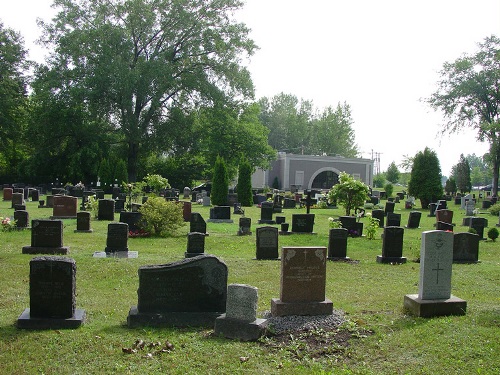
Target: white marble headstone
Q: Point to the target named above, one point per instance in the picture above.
(241, 302)
(436, 259)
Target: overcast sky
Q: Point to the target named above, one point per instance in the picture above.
(380, 57)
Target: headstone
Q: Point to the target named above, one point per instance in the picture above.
(22, 219)
(486, 204)
(464, 200)
(191, 292)
(195, 244)
(302, 223)
(186, 211)
(303, 283)
(119, 205)
(280, 219)
(414, 220)
(478, 224)
(35, 195)
(186, 193)
(206, 201)
(17, 198)
(220, 214)
(240, 320)
(106, 210)
(50, 201)
(132, 219)
(374, 200)
(380, 215)
(441, 225)
(7, 194)
(470, 206)
(46, 238)
(65, 207)
(284, 228)
(441, 205)
(20, 207)
(392, 246)
(434, 292)
(432, 209)
(393, 220)
(83, 222)
(52, 295)
(444, 215)
(245, 224)
(117, 239)
(266, 213)
(238, 209)
(289, 203)
(465, 248)
(267, 243)
(389, 207)
(458, 200)
(197, 223)
(337, 244)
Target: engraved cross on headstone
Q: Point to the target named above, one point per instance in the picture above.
(437, 272)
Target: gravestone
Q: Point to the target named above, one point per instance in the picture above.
(389, 207)
(65, 207)
(245, 224)
(441, 205)
(132, 219)
(117, 238)
(445, 216)
(303, 283)
(441, 225)
(302, 223)
(414, 220)
(7, 194)
(22, 219)
(195, 244)
(280, 219)
(465, 248)
(119, 205)
(35, 195)
(50, 201)
(393, 220)
(464, 200)
(267, 243)
(220, 214)
(240, 320)
(284, 229)
(186, 211)
(17, 198)
(289, 203)
(392, 246)
(186, 193)
(191, 292)
(20, 207)
(83, 222)
(374, 200)
(46, 238)
(52, 295)
(337, 244)
(197, 223)
(106, 210)
(434, 296)
(380, 215)
(432, 209)
(478, 224)
(470, 206)
(206, 201)
(266, 213)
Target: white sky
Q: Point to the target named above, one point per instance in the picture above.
(380, 57)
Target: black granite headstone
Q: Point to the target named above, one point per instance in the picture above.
(414, 219)
(83, 222)
(195, 244)
(302, 223)
(132, 219)
(393, 220)
(389, 207)
(337, 244)
(106, 209)
(267, 243)
(197, 223)
(245, 224)
(380, 215)
(392, 246)
(46, 238)
(465, 248)
(117, 239)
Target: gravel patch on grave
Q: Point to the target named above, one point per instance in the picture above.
(282, 324)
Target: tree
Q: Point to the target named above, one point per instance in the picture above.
(131, 61)
(13, 102)
(244, 186)
(392, 174)
(220, 183)
(425, 180)
(379, 180)
(480, 170)
(468, 95)
(450, 186)
(461, 173)
(476, 176)
(349, 192)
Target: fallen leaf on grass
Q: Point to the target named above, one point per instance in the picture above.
(244, 359)
(129, 350)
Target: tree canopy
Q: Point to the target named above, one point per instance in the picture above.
(425, 180)
(392, 174)
(461, 173)
(349, 192)
(468, 95)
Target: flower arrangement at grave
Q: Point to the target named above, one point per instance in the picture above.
(7, 224)
(92, 205)
(373, 224)
(334, 223)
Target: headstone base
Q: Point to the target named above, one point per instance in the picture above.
(244, 233)
(279, 308)
(437, 307)
(228, 221)
(116, 254)
(192, 255)
(84, 231)
(171, 319)
(339, 259)
(283, 233)
(271, 222)
(385, 260)
(115, 250)
(237, 329)
(45, 250)
(466, 261)
(25, 321)
(62, 217)
(303, 232)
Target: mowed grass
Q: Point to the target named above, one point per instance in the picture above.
(371, 295)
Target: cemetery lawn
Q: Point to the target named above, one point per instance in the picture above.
(379, 337)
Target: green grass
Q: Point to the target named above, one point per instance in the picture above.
(371, 294)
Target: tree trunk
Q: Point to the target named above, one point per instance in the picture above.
(133, 155)
(496, 167)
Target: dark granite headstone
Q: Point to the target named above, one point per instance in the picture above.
(220, 214)
(245, 224)
(303, 283)
(432, 209)
(117, 239)
(22, 218)
(478, 224)
(20, 207)
(7, 194)
(441, 204)
(267, 243)
(302, 223)
(444, 215)
(65, 207)
(190, 292)
(289, 203)
(186, 210)
(46, 238)
(380, 215)
(132, 219)
(83, 222)
(392, 246)
(389, 207)
(197, 223)
(119, 205)
(441, 225)
(35, 195)
(52, 295)
(266, 213)
(393, 220)
(465, 248)
(17, 198)
(195, 244)
(106, 210)
(337, 244)
(414, 220)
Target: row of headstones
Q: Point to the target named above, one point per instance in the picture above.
(194, 291)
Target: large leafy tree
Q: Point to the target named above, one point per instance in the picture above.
(461, 172)
(349, 192)
(468, 94)
(392, 174)
(130, 61)
(425, 180)
(13, 101)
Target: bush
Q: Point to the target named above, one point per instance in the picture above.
(389, 189)
(493, 234)
(160, 217)
(244, 186)
(495, 209)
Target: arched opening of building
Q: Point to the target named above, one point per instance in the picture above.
(325, 180)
